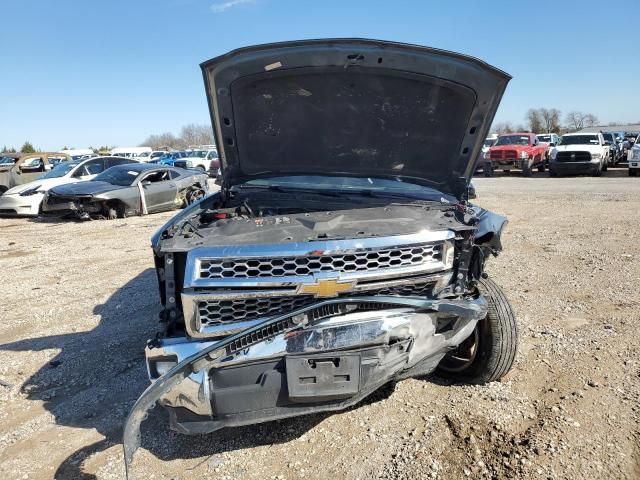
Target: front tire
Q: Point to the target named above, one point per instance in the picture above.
(194, 195)
(526, 169)
(487, 169)
(598, 171)
(490, 351)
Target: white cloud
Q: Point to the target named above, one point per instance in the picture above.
(224, 6)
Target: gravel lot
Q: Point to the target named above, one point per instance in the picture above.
(79, 301)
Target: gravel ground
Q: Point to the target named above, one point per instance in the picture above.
(79, 300)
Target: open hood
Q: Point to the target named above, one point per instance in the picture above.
(351, 107)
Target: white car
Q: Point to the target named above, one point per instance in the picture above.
(633, 157)
(578, 153)
(26, 199)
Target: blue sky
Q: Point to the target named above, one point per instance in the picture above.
(82, 73)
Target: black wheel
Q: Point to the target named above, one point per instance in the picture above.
(489, 352)
(597, 172)
(605, 165)
(113, 211)
(487, 168)
(201, 168)
(553, 173)
(3, 189)
(541, 166)
(526, 170)
(632, 172)
(194, 195)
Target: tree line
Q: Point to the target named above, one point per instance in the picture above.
(547, 120)
(191, 134)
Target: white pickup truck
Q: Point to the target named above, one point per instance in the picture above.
(205, 160)
(578, 153)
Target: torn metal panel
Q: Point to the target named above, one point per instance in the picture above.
(405, 323)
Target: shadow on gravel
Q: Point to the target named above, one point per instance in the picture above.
(168, 445)
(98, 375)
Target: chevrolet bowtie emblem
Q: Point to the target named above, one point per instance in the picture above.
(325, 288)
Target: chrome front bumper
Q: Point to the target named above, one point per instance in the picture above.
(251, 379)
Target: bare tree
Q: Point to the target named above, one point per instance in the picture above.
(190, 135)
(193, 134)
(503, 127)
(579, 120)
(164, 140)
(534, 119)
(550, 119)
(590, 120)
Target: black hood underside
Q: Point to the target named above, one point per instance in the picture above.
(351, 107)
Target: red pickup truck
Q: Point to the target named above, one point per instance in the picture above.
(521, 151)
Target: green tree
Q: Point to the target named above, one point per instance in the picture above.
(27, 148)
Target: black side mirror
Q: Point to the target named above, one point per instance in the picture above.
(471, 192)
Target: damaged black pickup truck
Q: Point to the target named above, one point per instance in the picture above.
(341, 252)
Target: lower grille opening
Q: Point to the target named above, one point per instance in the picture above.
(216, 312)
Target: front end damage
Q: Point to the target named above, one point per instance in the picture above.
(219, 364)
(319, 358)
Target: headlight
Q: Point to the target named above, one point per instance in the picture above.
(635, 153)
(524, 155)
(189, 163)
(596, 155)
(31, 191)
(486, 156)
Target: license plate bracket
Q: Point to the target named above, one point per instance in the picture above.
(322, 377)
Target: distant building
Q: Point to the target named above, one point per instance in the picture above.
(634, 127)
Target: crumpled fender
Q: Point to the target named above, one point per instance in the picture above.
(489, 232)
(206, 357)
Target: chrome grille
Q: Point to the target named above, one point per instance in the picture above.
(503, 154)
(573, 157)
(224, 311)
(214, 312)
(308, 265)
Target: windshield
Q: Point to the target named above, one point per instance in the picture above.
(513, 140)
(352, 184)
(579, 140)
(608, 136)
(60, 170)
(544, 138)
(489, 143)
(117, 176)
(197, 153)
(7, 160)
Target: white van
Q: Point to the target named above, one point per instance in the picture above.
(139, 153)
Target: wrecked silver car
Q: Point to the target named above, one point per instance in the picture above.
(125, 190)
(341, 252)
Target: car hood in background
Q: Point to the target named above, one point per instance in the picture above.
(351, 107)
(42, 184)
(85, 188)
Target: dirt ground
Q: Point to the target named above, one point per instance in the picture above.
(79, 300)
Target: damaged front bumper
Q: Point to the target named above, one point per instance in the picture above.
(323, 357)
